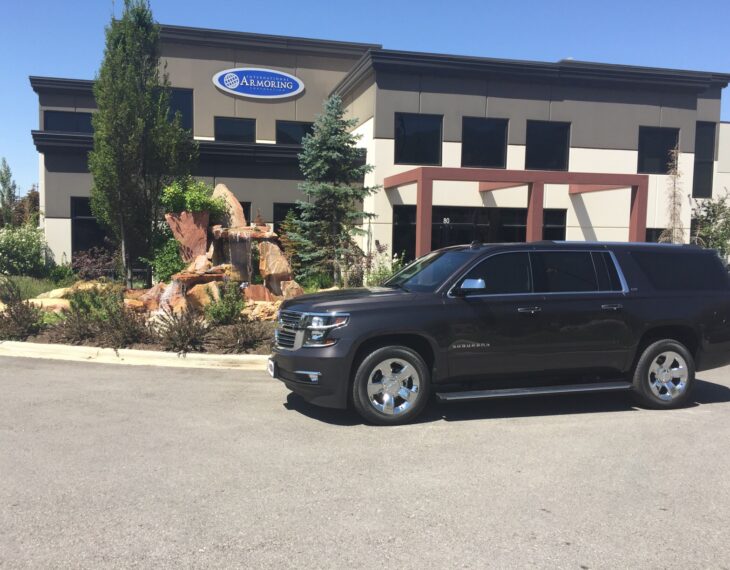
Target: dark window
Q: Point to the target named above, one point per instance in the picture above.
(417, 138)
(704, 160)
(484, 142)
(291, 132)
(653, 234)
(181, 100)
(553, 225)
(506, 273)
(404, 232)
(563, 272)
(246, 210)
(608, 279)
(547, 145)
(682, 270)
(281, 209)
(85, 231)
(429, 272)
(655, 145)
(67, 122)
(235, 130)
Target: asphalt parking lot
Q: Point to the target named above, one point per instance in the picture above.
(106, 466)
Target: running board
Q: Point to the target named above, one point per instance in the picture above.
(537, 391)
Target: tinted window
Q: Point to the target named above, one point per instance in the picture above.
(547, 145)
(563, 272)
(181, 101)
(417, 139)
(553, 226)
(704, 160)
(246, 210)
(505, 273)
(85, 231)
(653, 234)
(608, 279)
(683, 270)
(484, 142)
(429, 272)
(291, 132)
(655, 144)
(235, 130)
(67, 122)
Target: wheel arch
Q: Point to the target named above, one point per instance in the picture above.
(682, 333)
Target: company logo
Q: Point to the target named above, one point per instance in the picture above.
(258, 83)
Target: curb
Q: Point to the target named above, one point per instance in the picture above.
(132, 357)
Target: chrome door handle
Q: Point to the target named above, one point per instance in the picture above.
(529, 310)
(612, 307)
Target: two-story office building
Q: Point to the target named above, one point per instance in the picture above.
(463, 148)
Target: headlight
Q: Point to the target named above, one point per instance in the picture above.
(318, 328)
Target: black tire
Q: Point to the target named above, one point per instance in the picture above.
(643, 376)
(370, 366)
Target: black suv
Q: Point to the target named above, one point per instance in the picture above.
(487, 321)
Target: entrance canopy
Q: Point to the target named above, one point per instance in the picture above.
(491, 179)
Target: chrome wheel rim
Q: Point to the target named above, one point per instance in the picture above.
(393, 386)
(668, 376)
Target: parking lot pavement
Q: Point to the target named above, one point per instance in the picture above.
(114, 466)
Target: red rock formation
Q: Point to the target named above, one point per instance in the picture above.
(191, 232)
(234, 217)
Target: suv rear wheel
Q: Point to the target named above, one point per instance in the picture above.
(664, 375)
(391, 386)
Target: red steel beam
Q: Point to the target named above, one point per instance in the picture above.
(535, 211)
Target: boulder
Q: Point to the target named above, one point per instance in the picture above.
(191, 232)
(258, 293)
(151, 297)
(200, 264)
(135, 305)
(56, 293)
(273, 266)
(261, 310)
(291, 289)
(2, 306)
(234, 217)
(173, 297)
(189, 279)
(202, 295)
(51, 305)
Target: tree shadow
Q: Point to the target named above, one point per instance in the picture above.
(705, 393)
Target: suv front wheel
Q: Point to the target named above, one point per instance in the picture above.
(391, 386)
(664, 375)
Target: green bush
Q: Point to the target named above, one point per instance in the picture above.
(31, 287)
(166, 260)
(20, 319)
(23, 251)
(242, 335)
(191, 195)
(383, 267)
(316, 281)
(181, 332)
(62, 275)
(228, 307)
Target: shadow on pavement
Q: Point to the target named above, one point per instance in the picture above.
(705, 393)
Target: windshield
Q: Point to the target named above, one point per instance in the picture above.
(428, 273)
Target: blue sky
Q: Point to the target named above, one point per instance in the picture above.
(65, 39)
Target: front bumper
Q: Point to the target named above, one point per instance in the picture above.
(319, 375)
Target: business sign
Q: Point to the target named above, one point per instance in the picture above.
(258, 83)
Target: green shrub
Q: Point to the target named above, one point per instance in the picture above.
(23, 251)
(31, 287)
(166, 260)
(383, 267)
(316, 281)
(191, 195)
(20, 319)
(228, 307)
(181, 332)
(62, 275)
(242, 335)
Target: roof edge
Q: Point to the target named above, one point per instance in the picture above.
(61, 85)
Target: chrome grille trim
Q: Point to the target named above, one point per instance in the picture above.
(289, 331)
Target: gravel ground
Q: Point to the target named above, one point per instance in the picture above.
(105, 466)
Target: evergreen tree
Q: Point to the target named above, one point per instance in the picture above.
(8, 194)
(138, 147)
(333, 170)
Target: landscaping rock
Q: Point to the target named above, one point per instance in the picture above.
(291, 289)
(51, 305)
(234, 217)
(203, 295)
(56, 293)
(190, 279)
(258, 293)
(200, 264)
(273, 266)
(135, 305)
(151, 298)
(261, 310)
(191, 232)
(174, 297)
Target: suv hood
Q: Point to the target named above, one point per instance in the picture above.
(347, 299)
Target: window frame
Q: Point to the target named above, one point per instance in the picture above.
(638, 149)
(569, 125)
(440, 159)
(276, 130)
(501, 120)
(180, 90)
(75, 115)
(234, 120)
(450, 288)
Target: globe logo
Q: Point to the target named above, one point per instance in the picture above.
(231, 80)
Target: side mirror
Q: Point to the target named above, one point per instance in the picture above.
(470, 286)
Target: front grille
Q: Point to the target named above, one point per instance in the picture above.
(285, 338)
(290, 319)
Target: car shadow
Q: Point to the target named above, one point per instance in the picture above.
(705, 393)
